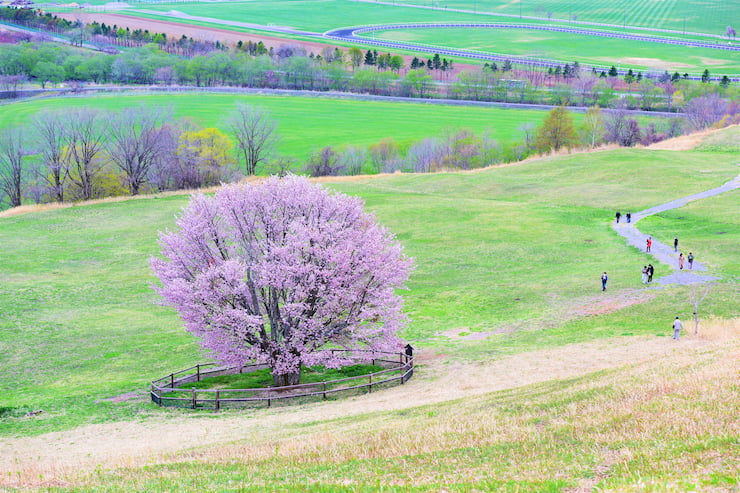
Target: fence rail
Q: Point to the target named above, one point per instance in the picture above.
(168, 392)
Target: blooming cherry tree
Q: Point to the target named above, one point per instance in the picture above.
(282, 271)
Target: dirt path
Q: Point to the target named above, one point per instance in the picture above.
(664, 253)
(59, 456)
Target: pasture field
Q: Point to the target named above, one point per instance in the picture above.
(511, 256)
(310, 15)
(307, 124)
(704, 16)
(567, 48)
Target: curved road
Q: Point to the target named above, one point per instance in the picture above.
(663, 252)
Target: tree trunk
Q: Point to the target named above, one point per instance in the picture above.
(287, 379)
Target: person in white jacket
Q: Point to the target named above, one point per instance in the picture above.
(677, 326)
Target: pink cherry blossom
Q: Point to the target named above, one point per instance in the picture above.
(282, 271)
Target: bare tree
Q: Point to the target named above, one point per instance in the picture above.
(323, 163)
(352, 159)
(593, 126)
(697, 293)
(707, 110)
(280, 166)
(255, 133)
(86, 136)
(11, 165)
(426, 155)
(52, 141)
(134, 144)
(383, 152)
(528, 132)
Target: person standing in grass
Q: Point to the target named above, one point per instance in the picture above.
(650, 271)
(675, 244)
(677, 326)
(680, 260)
(644, 274)
(618, 215)
(648, 243)
(690, 258)
(604, 278)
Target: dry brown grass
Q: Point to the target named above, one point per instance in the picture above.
(367, 427)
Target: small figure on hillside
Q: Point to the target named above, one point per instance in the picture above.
(675, 244)
(618, 215)
(629, 216)
(677, 326)
(648, 243)
(409, 351)
(644, 274)
(690, 258)
(680, 260)
(650, 271)
(604, 278)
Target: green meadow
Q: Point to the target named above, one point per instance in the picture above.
(570, 47)
(505, 252)
(309, 15)
(704, 16)
(707, 16)
(306, 124)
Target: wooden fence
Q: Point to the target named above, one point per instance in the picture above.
(167, 391)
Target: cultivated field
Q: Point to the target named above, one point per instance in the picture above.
(506, 312)
(307, 124)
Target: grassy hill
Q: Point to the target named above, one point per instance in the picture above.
(531, 378)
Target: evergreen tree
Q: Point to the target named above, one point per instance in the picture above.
(369, 59)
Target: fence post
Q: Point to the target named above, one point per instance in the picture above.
(172, 380)
(324, 390)
(194, 401)
(269, 395)
(198, 369)
(218, 402)
(371, 382)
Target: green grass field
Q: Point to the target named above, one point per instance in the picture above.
(512, 254)
(307, 124)
(569, 47)
(707, 16)
(704, 16)
(310, 15)
(510, 251)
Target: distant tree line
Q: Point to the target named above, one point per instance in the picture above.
(86, 153)
(159, 59)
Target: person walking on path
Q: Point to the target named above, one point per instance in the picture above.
(677, 326)
(648, 243)
(618, 215)
(690, 258)
(650, 270)
(644, 274)
(604, 278)
(675, 244)
(629, 217)
(680, 260)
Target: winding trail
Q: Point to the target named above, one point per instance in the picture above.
(663, 252)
